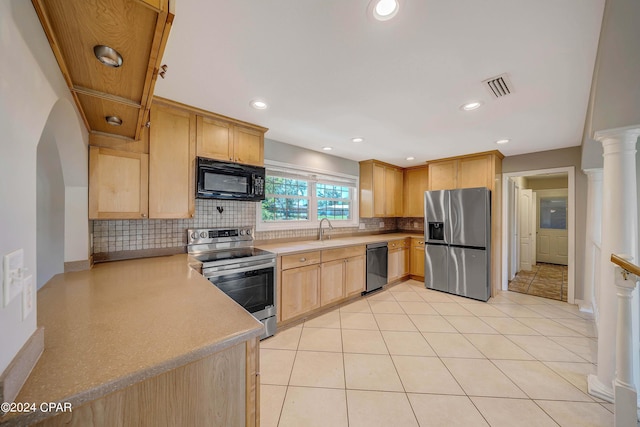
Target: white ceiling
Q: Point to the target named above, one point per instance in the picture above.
(329, 72)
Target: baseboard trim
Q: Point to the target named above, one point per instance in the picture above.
(584, 307)
(16, 374)
(599, 390)
(82, 265)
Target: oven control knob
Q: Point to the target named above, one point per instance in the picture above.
(241, 232)
(194, 235)
(203, 234)
(248, 232)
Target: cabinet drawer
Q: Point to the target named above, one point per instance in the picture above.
(339, 253)
(301, 259)
(417, 241)
(398, 244)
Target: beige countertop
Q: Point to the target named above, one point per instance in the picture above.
(123, 322)
(336, 242)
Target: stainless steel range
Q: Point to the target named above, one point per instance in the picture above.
(245, 273)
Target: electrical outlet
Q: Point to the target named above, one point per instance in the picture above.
(415, 224)
(362, 226)
(28, 296)
(381, 224)
(13, 268)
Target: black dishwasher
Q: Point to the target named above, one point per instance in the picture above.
(376, 266)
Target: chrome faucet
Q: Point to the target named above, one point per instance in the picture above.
(321, 231)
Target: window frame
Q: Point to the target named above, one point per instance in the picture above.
(313, 221)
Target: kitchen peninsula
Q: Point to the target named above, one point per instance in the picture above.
(130, 342)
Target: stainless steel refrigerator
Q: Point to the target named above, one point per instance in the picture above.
(458, 242)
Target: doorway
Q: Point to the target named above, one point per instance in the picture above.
(539, 242)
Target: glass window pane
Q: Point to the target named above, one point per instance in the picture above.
(553, 213)
(333, 210)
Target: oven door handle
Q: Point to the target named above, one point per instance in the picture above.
(232, 269)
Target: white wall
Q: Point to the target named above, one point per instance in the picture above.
(285, 153)
(615, 92)
(30, 86)
(49, 210)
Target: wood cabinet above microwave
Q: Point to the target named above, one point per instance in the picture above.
(136, 29)
(223, 140)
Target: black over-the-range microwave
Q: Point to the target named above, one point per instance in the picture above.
(229, 181)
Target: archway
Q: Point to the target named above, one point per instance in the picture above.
(61, 187)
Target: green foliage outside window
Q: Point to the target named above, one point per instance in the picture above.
(288, 199)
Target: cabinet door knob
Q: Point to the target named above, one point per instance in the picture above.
(303, 259)
(143, 215)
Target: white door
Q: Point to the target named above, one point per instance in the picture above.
(552, 238)
(524, 214)
(514, 240)
(533, 217)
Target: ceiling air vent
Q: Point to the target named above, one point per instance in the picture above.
(499, 86)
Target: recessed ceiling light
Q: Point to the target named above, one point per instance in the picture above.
(357, 139)
(471, 105)
(108, 56)
(384, 10)
(327, 148)
(258, 104)
(114, 120)
(502, 141)
(411, 158)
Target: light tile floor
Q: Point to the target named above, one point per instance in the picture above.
(408, 356)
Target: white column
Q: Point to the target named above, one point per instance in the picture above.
(619, 236)
(625, 395)
(593, 237)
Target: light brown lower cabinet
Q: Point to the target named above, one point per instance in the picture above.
(300, 289)
(398, 260)
(310, 280)
(332, 281)
(354, 275)
(222, 389)
(342, 278)
(417, 258)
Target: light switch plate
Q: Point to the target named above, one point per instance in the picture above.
(28, 296)
(12, 265)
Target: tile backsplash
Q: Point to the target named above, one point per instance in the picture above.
(143, 234)
(411, 225)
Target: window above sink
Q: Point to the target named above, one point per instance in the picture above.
(301, 197)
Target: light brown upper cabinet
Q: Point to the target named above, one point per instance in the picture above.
(381, 188)
(118, 184)
(416, 182)
(474, 170)
(137, 30)
(393, 180)
(248, 146)
(214, 139)
(169, 149)
(223, 140)
(172, 146)
(443, 175)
